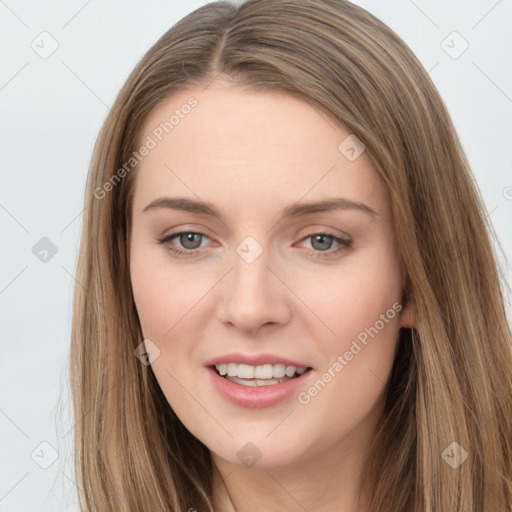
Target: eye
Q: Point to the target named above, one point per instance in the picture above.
(323, 242)
(190, 241)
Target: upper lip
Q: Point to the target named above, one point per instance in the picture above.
(254, 360)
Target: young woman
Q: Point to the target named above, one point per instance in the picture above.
(289, 295)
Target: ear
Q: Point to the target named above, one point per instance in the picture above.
(408, 316)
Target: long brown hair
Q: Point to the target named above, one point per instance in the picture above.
(452, 378)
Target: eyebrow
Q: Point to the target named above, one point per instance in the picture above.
(292, 211)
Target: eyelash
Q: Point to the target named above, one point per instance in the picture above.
(344, 244)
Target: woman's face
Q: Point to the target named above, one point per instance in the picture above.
(268, 281)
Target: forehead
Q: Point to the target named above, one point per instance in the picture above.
(252, 147)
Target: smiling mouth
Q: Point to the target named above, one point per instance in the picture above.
(254, 382)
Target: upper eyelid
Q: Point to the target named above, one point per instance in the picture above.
(311, 231)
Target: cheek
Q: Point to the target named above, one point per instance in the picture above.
(353, 298)
(360, 313)
(153, 299)
(166, 302)
(163, 298)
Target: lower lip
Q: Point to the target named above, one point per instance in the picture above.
(257, 396)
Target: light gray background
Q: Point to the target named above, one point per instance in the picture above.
(51, 111)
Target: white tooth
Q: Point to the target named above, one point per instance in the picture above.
(266, 382)
(232, 369)
(255, 382)
(263, 372)
(279, 371)
(250, 383)
(290, 371)
(245, 371)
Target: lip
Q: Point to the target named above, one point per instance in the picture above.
(254, 360)
(257, 396)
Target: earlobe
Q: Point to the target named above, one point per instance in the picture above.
(408, 316)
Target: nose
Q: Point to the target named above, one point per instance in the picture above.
(254, 296)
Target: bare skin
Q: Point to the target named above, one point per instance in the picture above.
(252, 154)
